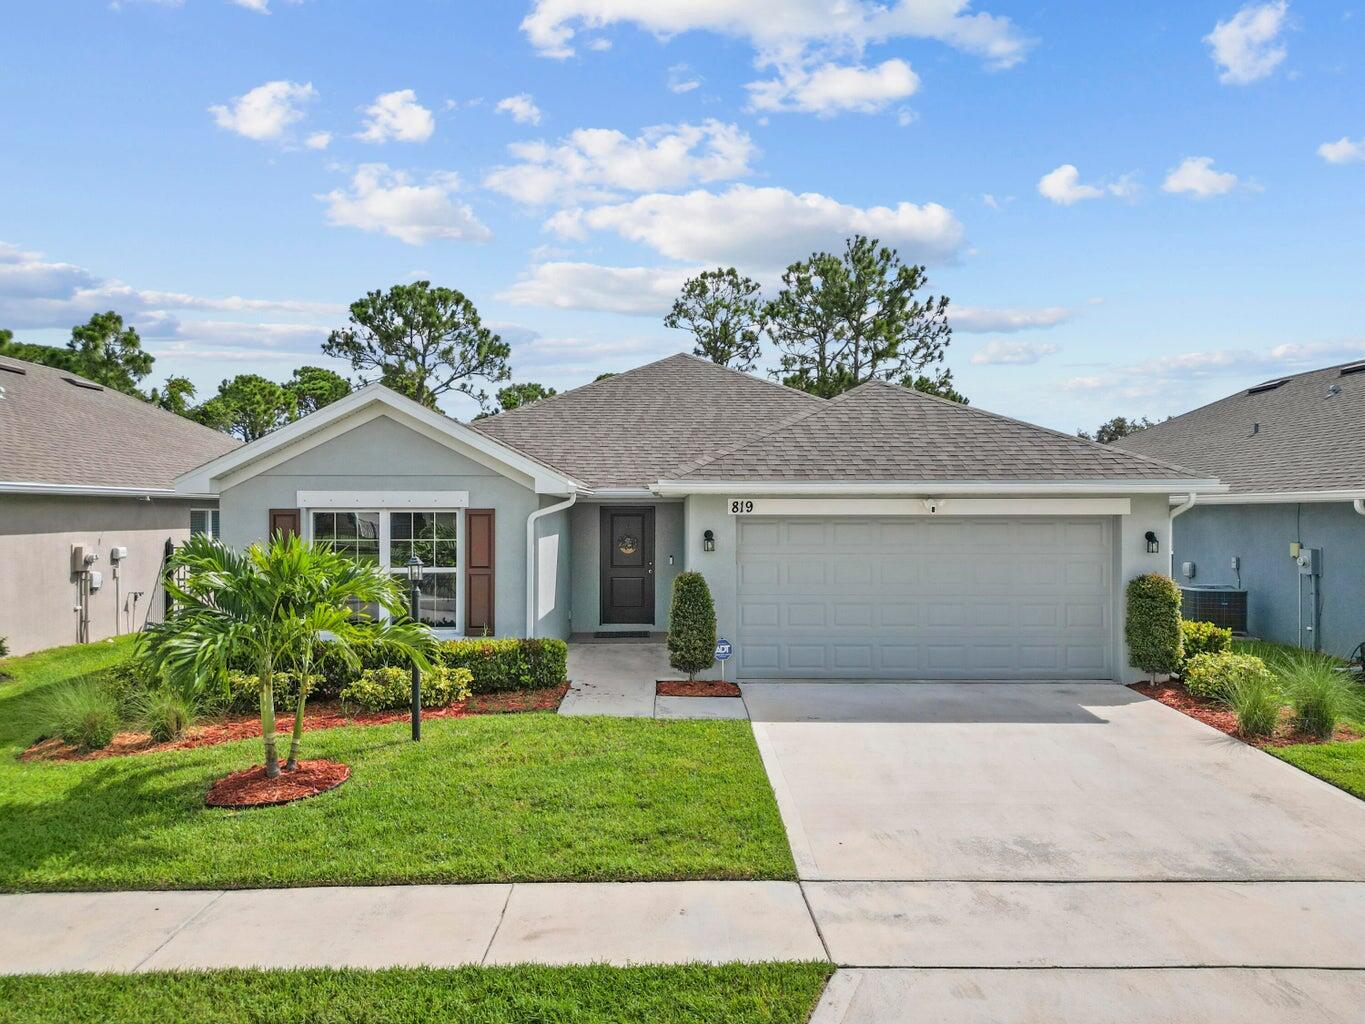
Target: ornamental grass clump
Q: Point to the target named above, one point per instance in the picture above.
(1152, 625)
(1256, 701)
(1320, 695)
(691, 625)
(164, 712)
(84, 714)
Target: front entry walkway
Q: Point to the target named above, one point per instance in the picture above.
(617, 678)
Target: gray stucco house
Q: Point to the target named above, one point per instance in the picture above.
(1291, 529)
(881, 534)
(87, 504)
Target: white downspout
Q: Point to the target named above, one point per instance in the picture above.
(1180, 509)
(531, 521)
(1359, 506)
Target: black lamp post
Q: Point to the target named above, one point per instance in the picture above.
(415, 578)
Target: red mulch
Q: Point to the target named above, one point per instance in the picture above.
(320, 714)
(700, 688)
(250, 787)
(1224, 720)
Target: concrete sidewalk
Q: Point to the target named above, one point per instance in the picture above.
(617, 680)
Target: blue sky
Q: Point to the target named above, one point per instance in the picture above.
(1134, 208)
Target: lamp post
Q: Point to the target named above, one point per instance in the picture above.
(415, 598)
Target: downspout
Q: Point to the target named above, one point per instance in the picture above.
(1359, 506)
(531, 521)
(1180, 509)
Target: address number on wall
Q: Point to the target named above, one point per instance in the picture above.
(741, 507)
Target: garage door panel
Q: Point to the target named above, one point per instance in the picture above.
(925, 598)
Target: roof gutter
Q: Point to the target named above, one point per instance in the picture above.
(1279, 497)
(1185, 505)
(938, 488)
(531, 521)
(95, 491)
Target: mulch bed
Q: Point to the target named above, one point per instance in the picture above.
(251, 788)
(1224, 720)
(700, 688)
(320, 714)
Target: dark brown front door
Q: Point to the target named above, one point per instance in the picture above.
(627, 565)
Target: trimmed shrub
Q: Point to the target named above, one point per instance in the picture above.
(1152, 627)
(4, 647)
(497, 666)
(1203, 638)
(84, 714)
(244, 692)
(380, 689)
(164, 712)
(1213, 676)
(691, 625)
(1319, 694)
(1255, 700)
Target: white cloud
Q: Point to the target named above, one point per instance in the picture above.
(1012, 353)
(1063, 185)
(259, 6)
(681, 79)
(522, 108)
(601, 163)
(1195, 175)
(397, 116)
(831, 89)
(318, 140)
(980, 320)
(764, 228)
(267, 111)
(1247, 46)
(642, 291)
(1343, 151)
(385, 200)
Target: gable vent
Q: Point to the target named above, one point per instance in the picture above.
(1269, 385)
(1353, 368)
(76, 381)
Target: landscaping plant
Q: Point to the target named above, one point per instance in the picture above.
(691, 625)
(380, 689)
(1152, 626)
(271, 606)
(1256, 701)
(508, 664)
(1320, 695)
(84, 713)
(1202, 638)
(1212, 676)
(164, 712)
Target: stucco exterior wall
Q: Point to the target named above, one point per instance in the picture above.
(1149, 512)
(1259, 536)
(38, 593)
(554, 561)
(669, 556)
(383, 455)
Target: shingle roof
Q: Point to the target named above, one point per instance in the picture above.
(1297, 436)
(54, 431)
(630, 429)
(884, 432)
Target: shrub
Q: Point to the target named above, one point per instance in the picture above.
(4, 647)
(1152, 627)
(1212, 676)
(164, 712)
(1202, 638)
(380, 689)
(691, 625)
(84, 714)
(1255, 700)
(508, 664)
(244, 692)
(1319, 695)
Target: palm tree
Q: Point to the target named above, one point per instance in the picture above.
(273, 606)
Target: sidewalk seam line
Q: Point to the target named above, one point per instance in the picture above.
(819, 932)
(180, 928)
(502, 915)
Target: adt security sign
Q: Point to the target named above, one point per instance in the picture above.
(723, 652)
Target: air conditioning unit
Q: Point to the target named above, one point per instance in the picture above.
(1223, 606)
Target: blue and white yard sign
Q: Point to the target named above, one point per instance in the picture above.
(723, 649)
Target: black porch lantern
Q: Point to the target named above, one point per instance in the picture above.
(415, 599)
(1153, 545)
(708, 541)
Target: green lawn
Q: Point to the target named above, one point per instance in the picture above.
(1341, 764)
(735, 994)
(495, 798)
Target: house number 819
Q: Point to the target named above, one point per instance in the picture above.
(739, 508)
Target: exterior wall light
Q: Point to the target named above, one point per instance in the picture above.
(1153, 545)
(708, 541)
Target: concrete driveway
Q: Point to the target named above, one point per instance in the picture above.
(1060, 851)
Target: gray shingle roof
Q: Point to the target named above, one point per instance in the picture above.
(1298, 436)
(631, 429)
(53, 431)
(884, 432)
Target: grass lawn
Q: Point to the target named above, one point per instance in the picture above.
(735, 994)
(494, 798)
(1341, 764)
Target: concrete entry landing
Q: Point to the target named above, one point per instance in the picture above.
(617, 677)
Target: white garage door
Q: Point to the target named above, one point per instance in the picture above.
(925, 598)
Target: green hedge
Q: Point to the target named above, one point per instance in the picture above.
(1202, 638)
(1217, 674)
(509, 664)
(380, 689)
(1152, 626)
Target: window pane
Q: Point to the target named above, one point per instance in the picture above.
(324, 526)
(366, 551)
(367, 525)
(400, 525)
(198, 522)
(446, 552)
(437, 602)
(421, 525)
(345, 524)
(399, 553)
(213, 517)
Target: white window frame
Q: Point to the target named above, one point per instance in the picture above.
(210, 517)
(385, 549)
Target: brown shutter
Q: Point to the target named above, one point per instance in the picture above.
(479, 556)
(284, 521)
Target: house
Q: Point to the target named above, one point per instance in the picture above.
(881, 534)
(1291, 529)
(87, 504)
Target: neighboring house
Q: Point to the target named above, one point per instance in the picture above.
(1292, 451)
(881, 534)
(84, 466)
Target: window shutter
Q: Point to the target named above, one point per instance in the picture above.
(479, 560)
(285, 521)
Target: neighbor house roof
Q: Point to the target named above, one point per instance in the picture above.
(1292, 434)
(883, 432)
(630, 429)
(59, 429)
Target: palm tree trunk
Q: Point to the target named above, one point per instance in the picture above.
(272, 763)
(296, 740)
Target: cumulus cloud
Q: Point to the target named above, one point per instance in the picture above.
(1343, 151)
(1012, 353)
(388, 201)
(397, 117)
(831, 89)
(981, 320)
(594, 164)
(764, 228)
(1063, 185)
(1247, 46)
(641, 291)
(318, 140)
(521, 107)
(267, 112)
(1195, 176)
(681, 79)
